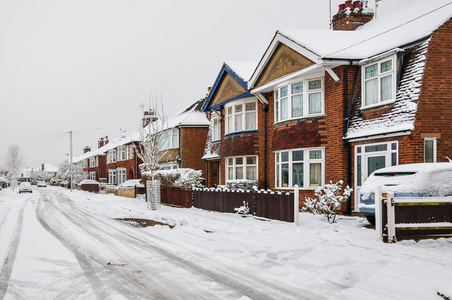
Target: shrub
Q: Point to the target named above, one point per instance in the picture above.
(241, 184)
(178, 178)
(328, 200)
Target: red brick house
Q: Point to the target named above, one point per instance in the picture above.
(338, 104)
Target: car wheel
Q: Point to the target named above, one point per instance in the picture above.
(371, 219)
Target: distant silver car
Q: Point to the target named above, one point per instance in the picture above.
(41, 184)
(25, 187)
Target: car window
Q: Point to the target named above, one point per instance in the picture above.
(394, 174)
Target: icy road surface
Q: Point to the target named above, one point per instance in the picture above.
(55, 244)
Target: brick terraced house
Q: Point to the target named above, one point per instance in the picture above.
(338, 104)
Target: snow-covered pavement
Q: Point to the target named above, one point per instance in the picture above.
(55, 244)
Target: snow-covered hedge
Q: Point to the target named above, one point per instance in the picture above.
(241, 184)
(177, 178)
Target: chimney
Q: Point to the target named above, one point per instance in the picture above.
(106, 140)
(352, 15)
(149, 117)
(42, 167)
(86, 149)
(100, 143)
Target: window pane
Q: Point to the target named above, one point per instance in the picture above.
(251, 173)
(250, 106)
(315, 103)
(277, 175)
(375, 163)
(284, 91)
(315, 84)
(230, 161)
(238, 122)
(284, 175)
(276, 95)
(315, 174)
(316, 154)
(376, 148)
(277, 157)
(284, 156)
(371, 91)
(297, 175)
(297, 106)
(230, 110)
(175, 140)
(386, 66)
(251, 121)
(284, 109)
(358, 175)
(297, 88)
(238, 108)
(297, 155)
(230, 173)
(277, 111)
(251, 160)
(239, 161)
(239, 173)
(371, 71)
(229, 124)
(386, 88)
(393, 159)
(428, 151)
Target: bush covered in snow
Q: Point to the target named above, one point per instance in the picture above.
(242, 210)
(241, 184)
(328, 200)
(177, 178)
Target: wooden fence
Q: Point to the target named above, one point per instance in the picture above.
(271, 205)
(176, 197)
(413, 218)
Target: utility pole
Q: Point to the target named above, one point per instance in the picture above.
(70, 154)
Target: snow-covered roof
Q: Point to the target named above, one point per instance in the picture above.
(243, 69)
(49, 168)
(398, 22)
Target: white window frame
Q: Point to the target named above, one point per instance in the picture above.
(122, 153)
(216, 129)
(92, 162)
(111, 156)
(306, 92)
(122, 175)
(92, 175)
(434, 144)
(169, 139)
(112, 176)
(378, 78)
(232, 115)
(129, 152)
(306, 161)
(232, 165)
(169, 166)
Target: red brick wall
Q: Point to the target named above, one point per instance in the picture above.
(241, 144)
(192, 144)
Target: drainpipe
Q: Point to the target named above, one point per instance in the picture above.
(348, 112)
(265, 110)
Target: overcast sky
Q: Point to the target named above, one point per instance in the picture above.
(88, 65)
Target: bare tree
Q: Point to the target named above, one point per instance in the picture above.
(153, 139)
(14, 161)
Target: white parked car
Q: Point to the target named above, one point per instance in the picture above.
(25, 187)
(41, 184)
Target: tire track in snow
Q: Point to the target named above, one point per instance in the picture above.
(230, 278)
(98, 288)
(5, 273)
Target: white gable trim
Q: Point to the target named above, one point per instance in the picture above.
(279, 38)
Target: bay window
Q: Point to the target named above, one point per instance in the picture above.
(299, 99)
(302, 167)
(378, 82)
(241, 116)
(241, 167)
(169, 139)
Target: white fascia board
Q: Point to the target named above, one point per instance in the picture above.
(378, 136)
(272, 84)
(279, 38)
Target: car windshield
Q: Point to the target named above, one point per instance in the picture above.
(394, 174)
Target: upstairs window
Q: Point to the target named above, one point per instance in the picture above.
(216, 132)
(241, 116)
(378, 82)
(299, 99)
(169, 139)
(111, 156)
(92, 162)
(122, 153)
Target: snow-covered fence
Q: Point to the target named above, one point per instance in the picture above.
(399, 218)
(267, 204)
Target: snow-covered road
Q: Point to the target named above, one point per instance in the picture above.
(55, 244)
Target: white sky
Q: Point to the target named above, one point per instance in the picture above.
(87, 65)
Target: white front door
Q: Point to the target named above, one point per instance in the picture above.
(371, 157)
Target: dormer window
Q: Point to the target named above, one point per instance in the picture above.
(299, 99)
(379, 82)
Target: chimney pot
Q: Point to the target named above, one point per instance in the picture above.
(341, 7)
(357, 4)
(348, 4)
